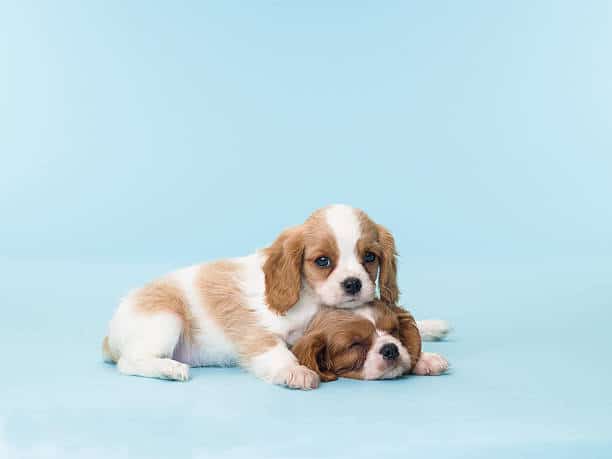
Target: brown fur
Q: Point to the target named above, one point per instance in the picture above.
(309, 352)
(336, 342)
(379, 240)
(292, 255)
(218, 284)
(326, 345)
(283, 270)
(295, 250)
(387, 281)
(319, 241)
(369, 243)
(402, 325)
(163, 295)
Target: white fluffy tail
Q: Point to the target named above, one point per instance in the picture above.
(433, 329)
(106, 352)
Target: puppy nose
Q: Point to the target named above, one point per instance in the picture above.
(351, 285)
(389, 351)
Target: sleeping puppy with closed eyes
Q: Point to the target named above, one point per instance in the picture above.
(374, 341)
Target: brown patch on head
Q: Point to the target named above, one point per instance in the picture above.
(292, 256)
(164, 296)
(378, 240)
(335, 344)
(399, 323)
(218, 284)
(386, 319)
(369, 243)
(319, 241)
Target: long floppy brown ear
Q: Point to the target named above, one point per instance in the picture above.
(409, 333)
(387, 279)
(309, 352)
(283, 270)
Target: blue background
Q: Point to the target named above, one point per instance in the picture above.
(136, 137)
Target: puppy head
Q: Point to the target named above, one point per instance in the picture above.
(338, 254)
(376, 341)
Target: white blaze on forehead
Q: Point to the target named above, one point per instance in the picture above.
(367, 313)
(343, 221)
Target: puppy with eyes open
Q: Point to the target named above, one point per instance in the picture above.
(250, 310)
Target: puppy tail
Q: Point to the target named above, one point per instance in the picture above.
(107, 355)
(433, 329)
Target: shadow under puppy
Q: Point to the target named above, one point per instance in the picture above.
(375, 341)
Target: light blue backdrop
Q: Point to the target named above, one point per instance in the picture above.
(185, 130)
(140, 136)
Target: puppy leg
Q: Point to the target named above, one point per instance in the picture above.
(430, 364)
(146, 344)
(433, 330)
(153, 367)
(278, 365)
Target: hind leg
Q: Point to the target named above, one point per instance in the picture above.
(147, 342)
(153, 367)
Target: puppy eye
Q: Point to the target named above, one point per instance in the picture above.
(323, 262)
(355, 345)
(369, 257)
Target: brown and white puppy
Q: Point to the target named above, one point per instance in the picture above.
(375, 341)
(247, 310)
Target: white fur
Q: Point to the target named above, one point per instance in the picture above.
(289, 326)
(279, 366)
(213, 347)
(146, 342)
(153, 344)
(345, 226)
(375, 366)
(430, 364)
(433, 329)
(273, 365)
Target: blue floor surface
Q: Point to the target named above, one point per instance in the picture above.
(530, 354)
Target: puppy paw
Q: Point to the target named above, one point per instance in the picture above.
(175, 371)
(430, 364)
(433, 329)
(301, 377)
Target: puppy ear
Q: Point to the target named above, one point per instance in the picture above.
(309, 352)
(387, 279)
(408, 333)
(283, 270)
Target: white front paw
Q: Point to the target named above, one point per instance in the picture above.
(174, 370)
(301, 377)
(430, 364)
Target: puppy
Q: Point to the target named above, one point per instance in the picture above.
(247, 310)
(375, 341)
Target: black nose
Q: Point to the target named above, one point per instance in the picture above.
(389, 351)
(351, 285)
